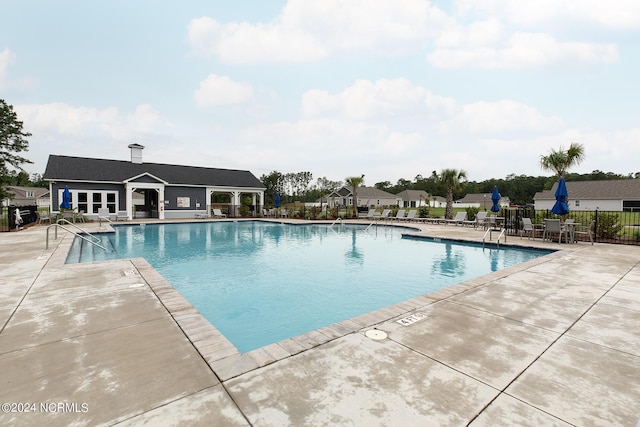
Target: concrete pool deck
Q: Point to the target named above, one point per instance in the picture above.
(554, 341)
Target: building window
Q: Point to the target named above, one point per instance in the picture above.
(83, 202)
(91, 201)
(577, 203)
(30, 194)
(97, 202)
(111, 202)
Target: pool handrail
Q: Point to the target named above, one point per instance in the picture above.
(56, 225)
(336, 220)
(66, 221)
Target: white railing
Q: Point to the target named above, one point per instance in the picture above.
(489, 232)
(58, 225)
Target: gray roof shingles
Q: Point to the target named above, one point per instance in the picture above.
(87, 169)
(623, 189)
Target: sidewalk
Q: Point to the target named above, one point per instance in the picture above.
(555, 341)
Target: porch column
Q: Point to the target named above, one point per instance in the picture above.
(209, 195)
(235, 202)
(160, 202)
(128, 200)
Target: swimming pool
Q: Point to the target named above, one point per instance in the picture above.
(262, 282)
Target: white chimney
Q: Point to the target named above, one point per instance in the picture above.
(136, 153)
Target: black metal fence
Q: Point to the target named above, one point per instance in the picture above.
(13, 217)
(607, 226)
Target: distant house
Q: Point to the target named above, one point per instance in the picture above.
(438, 202)
(607, 195)
(367, 196)
(27, 196)
(413, 198)
(481, 201)
(163, 190)
(418, 198)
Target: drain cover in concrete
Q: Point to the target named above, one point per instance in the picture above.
(376, 334)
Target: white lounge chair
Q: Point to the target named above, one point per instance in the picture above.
(458, 219)
(480, 217)
(481, 220)
(385, 214)
(370, 215)
(410, 216)
(217, 213)
(399, 215)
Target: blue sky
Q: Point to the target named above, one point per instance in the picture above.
(386, 88)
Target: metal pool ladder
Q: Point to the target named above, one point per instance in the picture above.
(59, 223)
(489, 232)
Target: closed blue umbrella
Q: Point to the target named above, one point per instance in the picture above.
(66, 199)
(277, 200)
(561, 207)
(495, 198)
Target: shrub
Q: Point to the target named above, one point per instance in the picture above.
(472, 212)
(423, 211)
(608, 226)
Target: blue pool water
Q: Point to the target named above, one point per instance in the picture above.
(260, 282)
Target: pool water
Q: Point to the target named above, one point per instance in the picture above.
(261, 282)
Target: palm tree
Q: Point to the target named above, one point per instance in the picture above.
(354, 182)
(453, 180)
(560, 161)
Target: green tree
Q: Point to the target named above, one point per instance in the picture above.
(559, 161)
(354, 182)
(274, 182)
(453, 180)
(13, 141)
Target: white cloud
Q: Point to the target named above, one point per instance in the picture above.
(615, 14)
(221, 90)
(6, 58)
(243, 42)
(307, 31)
(499, 117)
(383, 98)
(65, 120)
(520, 50)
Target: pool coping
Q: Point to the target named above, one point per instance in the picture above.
(224, 358)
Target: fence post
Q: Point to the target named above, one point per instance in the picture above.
(595, 227)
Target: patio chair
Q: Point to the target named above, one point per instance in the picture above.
(44, 217)
(121, 216)
(481, 220)
(480, 216)
(584, 230)
(79, 216)
(529, 228)
(399, 215)
(552, 227)
(370, 214)
(217, 213)
(410, 216)
(458, 219)
(69, 216)
(385, 214)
